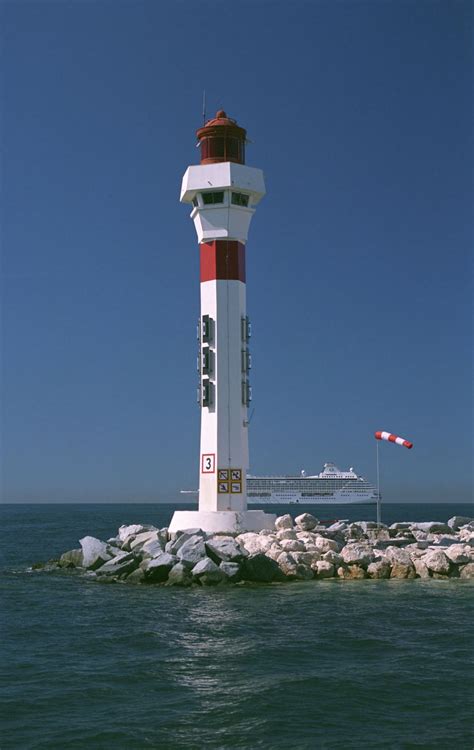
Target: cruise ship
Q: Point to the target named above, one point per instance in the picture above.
(330, 487)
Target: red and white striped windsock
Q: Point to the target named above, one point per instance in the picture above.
(393, 439)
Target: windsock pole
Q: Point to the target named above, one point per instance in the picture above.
(379, 509)
(391, 438)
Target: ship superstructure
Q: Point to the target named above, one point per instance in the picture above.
(330, 487)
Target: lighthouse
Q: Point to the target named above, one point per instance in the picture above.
(223, 193)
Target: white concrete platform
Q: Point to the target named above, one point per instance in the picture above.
(222, 521)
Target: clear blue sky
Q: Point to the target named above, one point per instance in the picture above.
(358, 271)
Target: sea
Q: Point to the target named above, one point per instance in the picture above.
(315, 665)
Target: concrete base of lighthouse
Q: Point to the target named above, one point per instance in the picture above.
(222, 521)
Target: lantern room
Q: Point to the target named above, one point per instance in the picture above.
(221, 140)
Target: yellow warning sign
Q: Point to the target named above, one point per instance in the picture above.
(236, 475)
(223, 488)
(236, 488)
(223, 474)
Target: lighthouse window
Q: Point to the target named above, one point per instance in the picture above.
(195, 201)
(240, 199)
(234, 149)
(223, 149)
(216, 147)
(211, 198)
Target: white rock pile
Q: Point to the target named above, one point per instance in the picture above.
(303, 549)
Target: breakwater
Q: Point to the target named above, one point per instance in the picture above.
(299, 549)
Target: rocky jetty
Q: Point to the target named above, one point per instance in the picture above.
(300, 549)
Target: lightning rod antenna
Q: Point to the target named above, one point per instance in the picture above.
(204, 107)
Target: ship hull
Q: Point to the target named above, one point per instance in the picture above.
(279, 500)
(285, 500)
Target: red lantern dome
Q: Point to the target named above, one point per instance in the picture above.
(221, 139)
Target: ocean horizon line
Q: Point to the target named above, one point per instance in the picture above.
(182, 502)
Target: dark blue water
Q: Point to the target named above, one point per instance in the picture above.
(323, 664)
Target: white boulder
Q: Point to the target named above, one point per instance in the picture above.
(136, 576)
(254, 543)
(286, 534)
(180, 538)
(71, 559)
(151, 549)
(457, 521)
(306, 521)
(306, 537)
(379, 569)
(458, 554)
(287, 563)
(397, 555)
(325, 545)
(274, 552)
(179, 575)
(207, 572)
(94, 552)
(231, 570)
(400, 525)
(339, 527)
(436, 561)
(401, 562)
(445, 540)
(133, 529)
(292, 569)
(466, 535)
(356, 553)
(354, 532)
(323, 569)
(417, 549)
(284, 522)
(192, 551)
(333, 557)
(467, 571)
(421, 568)
(306, 558)
(292, 545)
(120, 565)
(156, 569)
(140, 539)
(351, 572)
(113, 550)
(225, 549)
(378, 535)
(432, 527)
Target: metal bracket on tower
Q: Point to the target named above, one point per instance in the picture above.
(246, 393)
(246, 328)
(205, 360)
(207, 392)
(207, 329)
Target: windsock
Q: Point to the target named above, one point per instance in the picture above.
(393, 439)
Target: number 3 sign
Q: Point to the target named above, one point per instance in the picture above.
(208, 463)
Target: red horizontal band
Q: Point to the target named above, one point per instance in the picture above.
(222, 259)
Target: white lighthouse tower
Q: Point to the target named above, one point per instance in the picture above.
(223, 192)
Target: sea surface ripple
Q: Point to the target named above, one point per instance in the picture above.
(308, 666)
